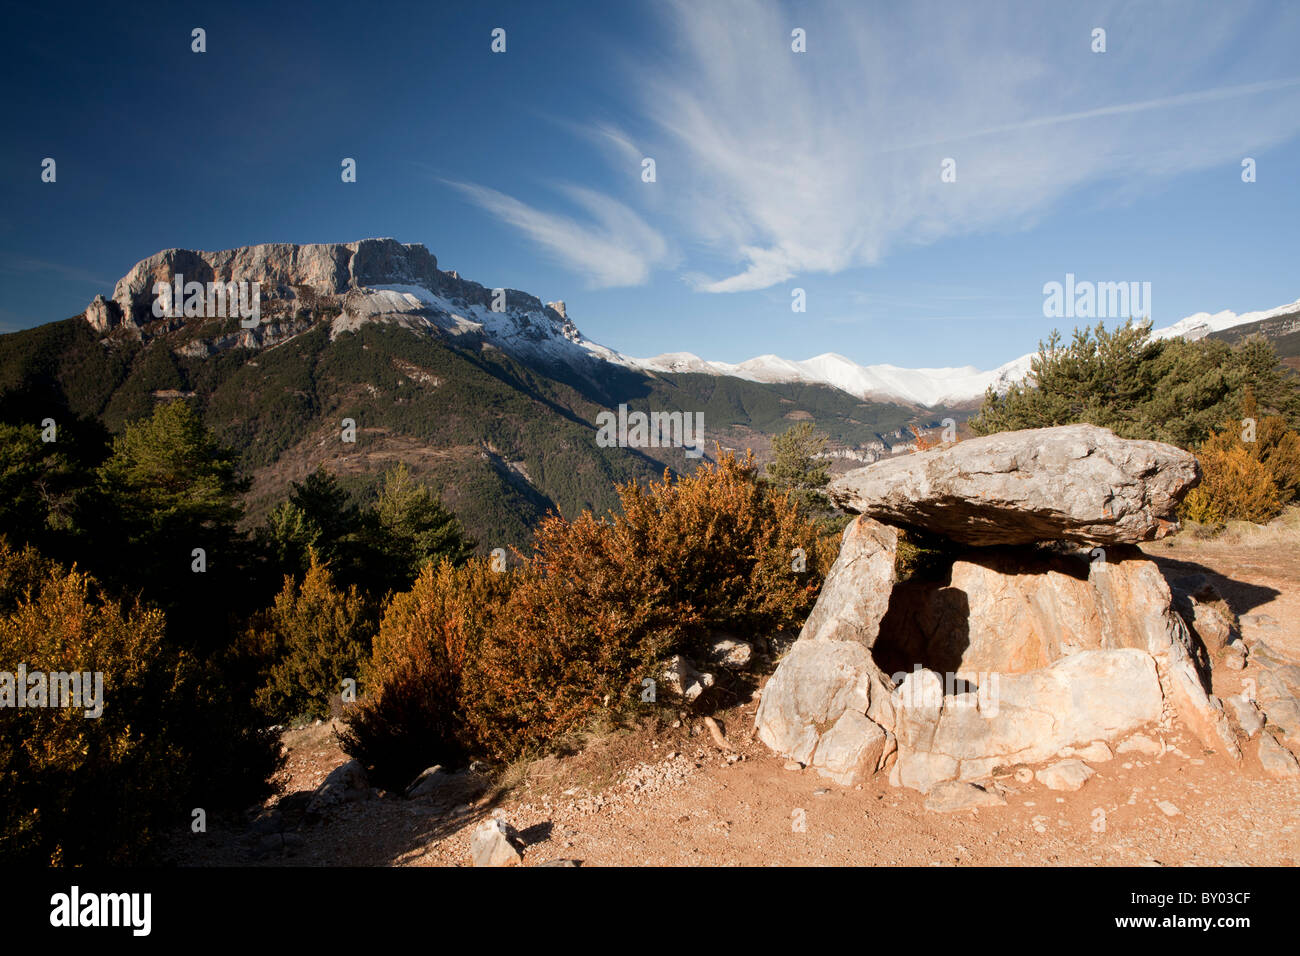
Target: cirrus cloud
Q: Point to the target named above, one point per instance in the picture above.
(612, 247)
(817, 162)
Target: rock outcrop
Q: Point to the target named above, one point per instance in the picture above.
(1075, 482)
(1016, 654)
(1277, 690)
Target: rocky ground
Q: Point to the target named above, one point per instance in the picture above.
(656, 795)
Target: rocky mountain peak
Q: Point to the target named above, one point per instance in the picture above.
(370, 280)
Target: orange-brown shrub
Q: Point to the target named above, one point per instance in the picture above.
(412, 713)
(1234, 486)
(78, 790)
(1246, 480)
(722, 545)
(585, 622)
(1278, 449)
(922, 441)
(500, 665)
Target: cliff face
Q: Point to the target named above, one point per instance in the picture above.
(370, 280)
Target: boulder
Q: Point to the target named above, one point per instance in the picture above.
(730, 652)
(492, 845)
(855, 595)
(954, 795)
(1205, 611)
(427, 782)
(1276, 760)
(1203, 714)
(1001, 610)
(443, 786)
(1074, 482)
(1141, 744)
(812, 688)
(1277, 692)
(346, 783)
(829, 669)
(681, 678)
(1247, 715)
(1013, 610)
(1095, 752)
(854, 748)
(1065, 775)
(1234, 656)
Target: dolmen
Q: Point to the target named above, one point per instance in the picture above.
(1044, 630)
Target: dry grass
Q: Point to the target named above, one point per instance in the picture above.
(1284, 529)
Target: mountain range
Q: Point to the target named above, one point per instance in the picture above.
(394, 283)
(925, 387)
(490, 395)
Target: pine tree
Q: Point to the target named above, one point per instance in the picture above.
(1167, 390)
(326, 506)
(167, 472)
(416, 527)
(319, 634)
(166, 524)
(798, 467)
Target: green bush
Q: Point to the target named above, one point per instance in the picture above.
(316, 635)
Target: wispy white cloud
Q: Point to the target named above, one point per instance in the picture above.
(611, 246)
(775, 165)
(785, 164)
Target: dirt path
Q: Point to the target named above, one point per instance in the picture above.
(670, 797)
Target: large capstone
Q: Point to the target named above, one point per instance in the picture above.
(1074, 482)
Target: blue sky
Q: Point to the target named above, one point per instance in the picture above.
(775, 170)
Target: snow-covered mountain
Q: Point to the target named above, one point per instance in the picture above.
(914, 386)
(928, 387)
(1201, 324)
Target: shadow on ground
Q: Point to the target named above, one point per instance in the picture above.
(1240, 596)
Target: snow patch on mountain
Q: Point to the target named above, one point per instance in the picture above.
(1201, 324)
(527, 332)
